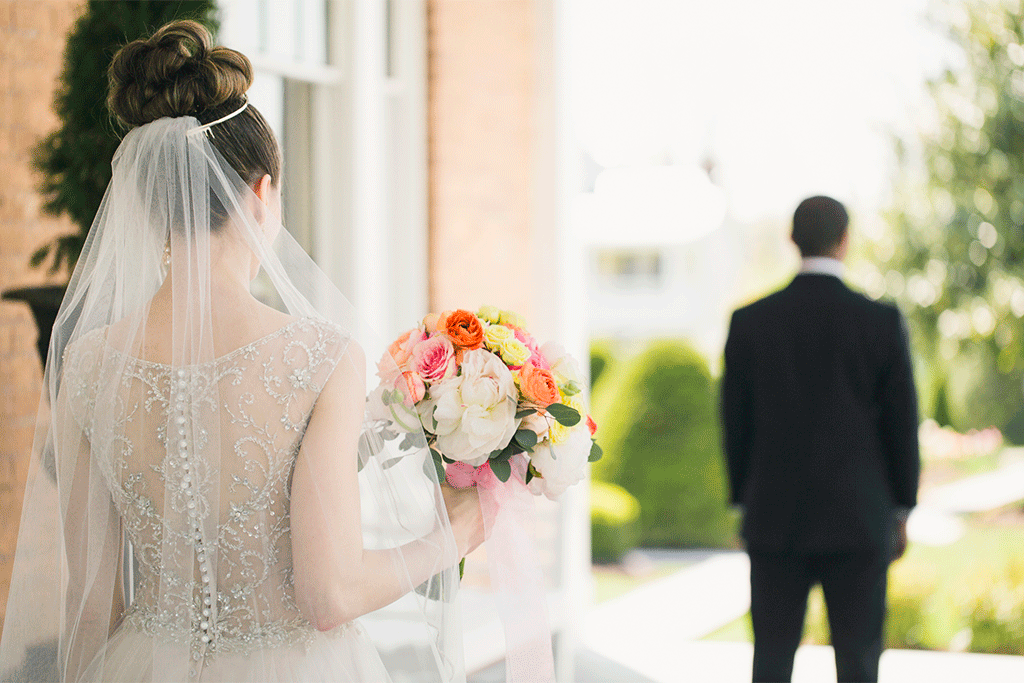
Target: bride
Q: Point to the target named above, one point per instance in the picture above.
(210, 502)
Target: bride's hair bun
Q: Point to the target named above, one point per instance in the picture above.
(178, 71)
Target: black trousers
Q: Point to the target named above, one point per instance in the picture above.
(854, 584)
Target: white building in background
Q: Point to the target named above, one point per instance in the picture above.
(662, 255)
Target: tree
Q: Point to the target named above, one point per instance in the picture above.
(958, 262)
(75, 159)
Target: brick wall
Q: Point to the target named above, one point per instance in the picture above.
(487, 144)
(32, 36)
(482, 62)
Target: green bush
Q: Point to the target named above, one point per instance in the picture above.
(660, 435)
(996, 618)
(614, 514)
(75, 159)
(602, 357)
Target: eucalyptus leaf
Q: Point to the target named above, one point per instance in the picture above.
(525, 413)
(595, 453)
(502, 469)
(526, 438)
(566, 416)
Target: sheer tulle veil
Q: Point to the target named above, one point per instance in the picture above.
(158, 481)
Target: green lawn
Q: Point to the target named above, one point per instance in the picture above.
(932, 591)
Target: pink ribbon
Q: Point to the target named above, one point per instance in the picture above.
(516, 577)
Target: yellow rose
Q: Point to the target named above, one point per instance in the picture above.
(514, 352)
(558, 433)
(512, 318)
(491, 314)
(576, 403)
(497, 335)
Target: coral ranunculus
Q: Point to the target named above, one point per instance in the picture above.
(464, 329)
(591, 425)
(538, 385)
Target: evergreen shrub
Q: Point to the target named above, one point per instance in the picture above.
(602, 357)
(661, 441)
(614, 516)
(75, 159)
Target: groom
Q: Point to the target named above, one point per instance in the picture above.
(820, 421)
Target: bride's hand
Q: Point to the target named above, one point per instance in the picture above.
(464, 514)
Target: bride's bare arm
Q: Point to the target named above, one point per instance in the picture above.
(336, 578)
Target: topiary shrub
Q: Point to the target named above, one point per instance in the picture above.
(661, 441)
(614, 514)
(602, 356)
(75, 159)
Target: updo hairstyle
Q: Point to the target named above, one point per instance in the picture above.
(179, 72)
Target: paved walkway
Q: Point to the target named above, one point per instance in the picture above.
(655, 629)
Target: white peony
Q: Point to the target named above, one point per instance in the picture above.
(563, 366)
(562, 468)
(476, 410)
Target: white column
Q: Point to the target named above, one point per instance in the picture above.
(555, 180)
(369, 259)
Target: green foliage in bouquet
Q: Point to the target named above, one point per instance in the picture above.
(614, 522)
(661, 436)
(75, 159)
(955, 260)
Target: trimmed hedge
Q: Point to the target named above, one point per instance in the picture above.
(614, 514)
(660, 436)
(602, 358)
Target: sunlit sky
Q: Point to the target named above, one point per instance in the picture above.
(789, 98)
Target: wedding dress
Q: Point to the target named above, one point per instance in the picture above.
(157, 535)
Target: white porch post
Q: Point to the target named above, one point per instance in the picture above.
(369, 258)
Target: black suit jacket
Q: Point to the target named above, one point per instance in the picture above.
(820, 418)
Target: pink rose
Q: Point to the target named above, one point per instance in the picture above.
(434, 358)
(536, 357)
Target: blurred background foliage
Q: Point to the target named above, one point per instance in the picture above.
(955, 256)
(656, 405)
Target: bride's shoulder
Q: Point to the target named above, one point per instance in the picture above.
(85, 348)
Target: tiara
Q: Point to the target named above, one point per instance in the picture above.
(207, 126)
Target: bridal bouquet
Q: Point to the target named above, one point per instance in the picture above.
(507, 415)
(490, 401)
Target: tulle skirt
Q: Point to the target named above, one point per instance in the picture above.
(345, 655)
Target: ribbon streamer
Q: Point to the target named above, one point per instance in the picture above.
(516, 577)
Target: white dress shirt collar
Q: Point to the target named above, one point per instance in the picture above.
(822, 265)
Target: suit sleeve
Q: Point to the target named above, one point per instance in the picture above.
(737, 411)
(899, 417)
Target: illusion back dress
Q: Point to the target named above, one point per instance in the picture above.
(212, 588)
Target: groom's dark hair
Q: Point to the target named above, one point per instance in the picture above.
(819, 224)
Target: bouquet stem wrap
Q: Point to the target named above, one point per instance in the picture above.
(516, 577)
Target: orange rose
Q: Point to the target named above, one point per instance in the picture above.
(465, 329)
(538, 386)
(591, 425)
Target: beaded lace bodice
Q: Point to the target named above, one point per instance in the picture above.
(198, 462)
